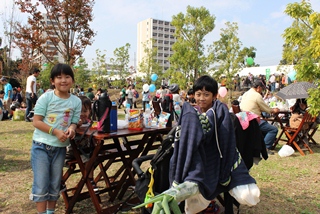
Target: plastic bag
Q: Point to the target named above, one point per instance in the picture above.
(18, 115)
(246, 194)
(135, 120)
(195, 204)
(286, 151)
(163, 119)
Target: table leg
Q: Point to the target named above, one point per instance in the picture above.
(85, 169)
(127, 168)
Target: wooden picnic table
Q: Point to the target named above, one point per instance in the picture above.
(109, 150)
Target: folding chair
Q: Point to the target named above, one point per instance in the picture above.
(300, 134)
(312, 131)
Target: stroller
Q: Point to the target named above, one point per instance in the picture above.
(159, 166)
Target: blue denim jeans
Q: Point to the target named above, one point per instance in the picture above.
(47, 163)
(270, 133)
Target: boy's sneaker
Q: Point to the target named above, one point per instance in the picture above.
(95, 187)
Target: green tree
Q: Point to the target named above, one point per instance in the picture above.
(148, 64)
(99, 69)
(302, 47)
(228, 54)
(44, 77)
(82, 73)
(120, 61)
(189, 57)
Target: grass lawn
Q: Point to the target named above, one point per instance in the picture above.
(287, 185)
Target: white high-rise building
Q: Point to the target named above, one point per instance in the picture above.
(162, 33)
(49, 46)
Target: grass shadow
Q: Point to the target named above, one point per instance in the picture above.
(12, 164)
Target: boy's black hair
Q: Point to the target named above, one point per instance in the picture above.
(59, 69)
(1, 91)
(35, 70)
(190, 91)
(206, 82)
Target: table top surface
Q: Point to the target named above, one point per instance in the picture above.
(122, 132)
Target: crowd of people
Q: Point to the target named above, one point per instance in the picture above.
(57, 113)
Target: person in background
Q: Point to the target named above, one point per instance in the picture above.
(122, 96)
(40, 90)
(7, 99)
(81, 93)
(16, 96)
(252, 101)
(283, 81)
(56, 116)
(158, 92)
(90, 94)
(183, 96)
(135, 96)
(161, 92)
(1, 104)
(238, 80)
(272, 81)
(297, 112)
(97, 96)
(129, 93)
(77, 90)
(268, 98)
(31, 93)
(174, 90)
(190, 97)
(277, 86)
(145, 99)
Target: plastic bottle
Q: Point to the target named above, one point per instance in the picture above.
(147, 116)
(114, 117)
(127, 112)
(177, 109)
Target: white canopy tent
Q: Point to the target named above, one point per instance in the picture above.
(274, 69)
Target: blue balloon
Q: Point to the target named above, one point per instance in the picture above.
(152, 88)
(292, 75)
(154, 77)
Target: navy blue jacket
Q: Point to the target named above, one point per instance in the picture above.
(215, 166)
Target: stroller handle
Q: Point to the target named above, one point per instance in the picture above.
(138, 161)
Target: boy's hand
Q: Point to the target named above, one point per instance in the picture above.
(61, 135)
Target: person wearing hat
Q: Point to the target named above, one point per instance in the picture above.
(8, 94)
(252, 101)
(31, 92)
(174, 90)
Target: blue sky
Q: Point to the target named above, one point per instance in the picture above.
(260, 22)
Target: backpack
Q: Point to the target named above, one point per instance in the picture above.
(136, 94)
